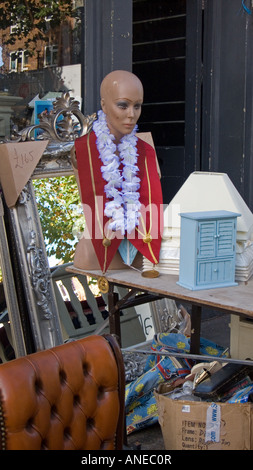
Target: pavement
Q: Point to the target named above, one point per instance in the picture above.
(215, 327)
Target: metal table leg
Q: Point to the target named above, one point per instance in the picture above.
(195, 329)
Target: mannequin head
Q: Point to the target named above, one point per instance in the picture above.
(121, 95)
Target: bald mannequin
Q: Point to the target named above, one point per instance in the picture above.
(116, 85)
(121, 99)
(116, 79)
(121, 94)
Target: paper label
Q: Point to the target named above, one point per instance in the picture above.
(213, 419)
(18, 161)
(186, 409)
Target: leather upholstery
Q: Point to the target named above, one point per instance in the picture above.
(67, 397)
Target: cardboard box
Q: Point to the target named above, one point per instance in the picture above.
(241, 337)
(195, 425)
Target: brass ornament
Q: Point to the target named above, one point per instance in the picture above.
(103, 285)
(147, 238)
(106, 242)
(150, 273)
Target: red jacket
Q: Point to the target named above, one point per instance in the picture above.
(147, 236)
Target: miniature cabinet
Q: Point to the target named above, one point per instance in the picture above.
(207, 249)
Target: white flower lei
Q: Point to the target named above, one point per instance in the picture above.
(122, 186)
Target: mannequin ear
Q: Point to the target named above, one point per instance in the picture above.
(103, 104)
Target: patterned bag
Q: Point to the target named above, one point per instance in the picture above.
(140, 403)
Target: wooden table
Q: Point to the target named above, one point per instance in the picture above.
(236, 300)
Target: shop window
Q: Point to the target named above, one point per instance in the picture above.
(51, 55)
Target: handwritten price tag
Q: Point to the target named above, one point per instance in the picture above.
(17, 163)
(23, 159)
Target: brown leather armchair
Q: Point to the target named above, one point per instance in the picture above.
(70, 397)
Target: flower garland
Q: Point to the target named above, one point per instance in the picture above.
(122, 185)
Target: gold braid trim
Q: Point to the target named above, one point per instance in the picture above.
(147, 236)
(95, 199)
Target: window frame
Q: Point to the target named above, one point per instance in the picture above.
(21, 54)
(53, 50)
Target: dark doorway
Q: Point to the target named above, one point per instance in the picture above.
(159, 60)
(195, 61)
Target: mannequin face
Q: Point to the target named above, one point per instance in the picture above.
(121, 101)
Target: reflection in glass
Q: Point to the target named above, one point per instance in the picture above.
(38, 65)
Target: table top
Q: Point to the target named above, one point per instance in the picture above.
(235, 299)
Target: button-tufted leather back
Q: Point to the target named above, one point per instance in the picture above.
(67, 397)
